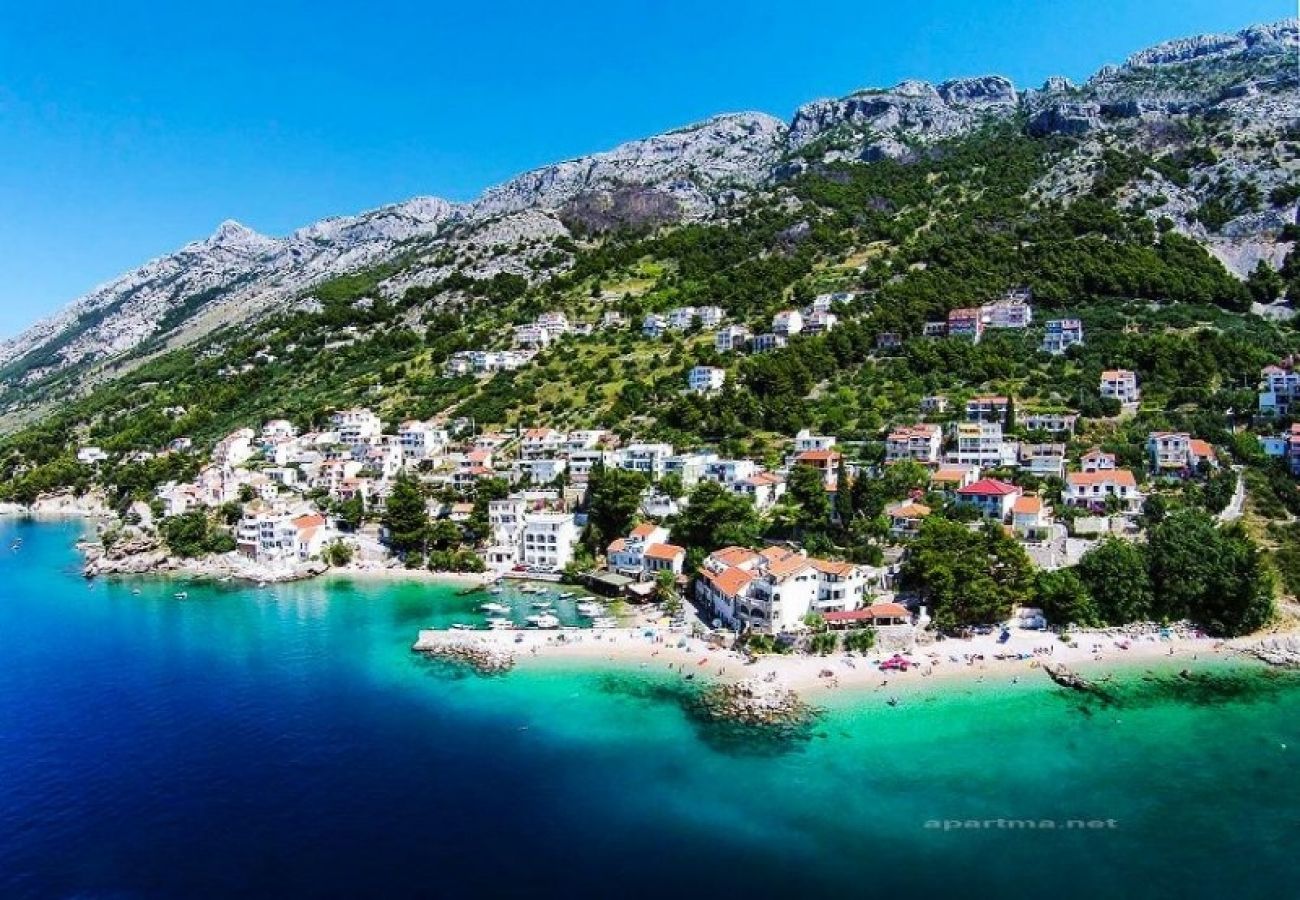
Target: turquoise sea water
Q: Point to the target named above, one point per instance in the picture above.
(285, 742)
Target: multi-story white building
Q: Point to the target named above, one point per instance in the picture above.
(921, 443)
(966, 323)
(1279, 389)
(728, 471)
(1051, 422)
(556, 324)
(548, 539)
(769, 341)
(819, 322)
(89, 456)
(532, 335)
(1009, 312)
(787, 323)
(706, 379)
(581, 462)
(732, 337)
(987, 409)
(654, 325)
(539, 442)
(649, 459)
(681, 318)
(1121, 385)
(805, 440)
(710, 316)
(1174, 452)
(234, 449)
(421, 440)
(1043, 459)
(993, 498)
(773, 591)
(1060, 335)
(763, 489)
(356, 426)
(689, 467)
(936, 404)
(1090, 490)
(1096, 460)
(981, 444)
(277, 431)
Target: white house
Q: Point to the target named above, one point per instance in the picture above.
(710, 316)
(981, 444)
(732, 337)
(1279, 388)
(681, 318)
(805, 440)
(905, 517)
(421, 440)
(356, 426)
(921, 443)
(994, 499)
(1090, 489)
(764, 489)
(769, 341)
(787, 323)
(706, 379)
(654, 325)
(819, 322)
(548, 539)
(649, 459)
(89, 456)
(539, 442)
(532, 335)
(1060, 335)
(1120, 384)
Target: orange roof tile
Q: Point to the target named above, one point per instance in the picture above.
(1121, 477)
(644, 530)
(729, 581)
(734, 556)
(664, 551)
(1028, 506)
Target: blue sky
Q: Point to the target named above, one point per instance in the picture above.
(128, 129)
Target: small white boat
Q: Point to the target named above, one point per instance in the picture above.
(495, 590)
(460, 626)
(604, 622)
(500, 624)
(182, 595)
(588, 608)
(544, 620)
(568, 595)
(494, 608)
(542, 604)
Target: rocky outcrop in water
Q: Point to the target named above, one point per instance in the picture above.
(754, 702)
(482, 657)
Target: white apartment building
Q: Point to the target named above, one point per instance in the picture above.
(421, 440)
(1120, 384)
(710, 316)
(649, 459)
(787, 323)
(356, 426)
(1279, 389)
(732, 337)
(921, 443)
(706, 379)
(1060, 335)
(981, 444)
(548, 539)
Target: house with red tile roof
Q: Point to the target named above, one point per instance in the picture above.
(993, 498)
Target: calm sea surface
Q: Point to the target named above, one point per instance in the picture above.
(284, 742)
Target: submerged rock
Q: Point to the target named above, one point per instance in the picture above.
(482, 657)
(754, 702)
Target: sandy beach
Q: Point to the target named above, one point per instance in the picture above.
(977, 659)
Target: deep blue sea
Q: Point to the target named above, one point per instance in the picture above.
(285, 742)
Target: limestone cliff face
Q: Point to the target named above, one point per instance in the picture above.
(523, 226)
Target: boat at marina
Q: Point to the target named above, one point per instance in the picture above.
(500, 624)
(567, 595)
(588, 608)
(544, 620)
(604, 622)
(494, 608)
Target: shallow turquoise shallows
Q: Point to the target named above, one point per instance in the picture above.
(285, 742)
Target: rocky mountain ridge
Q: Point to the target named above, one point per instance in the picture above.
(236, 274)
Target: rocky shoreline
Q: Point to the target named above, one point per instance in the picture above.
(1281, 652)
(143, 555)
(484, 658)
